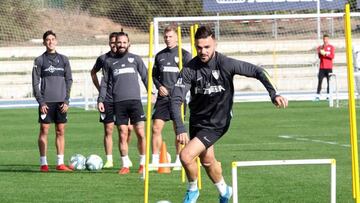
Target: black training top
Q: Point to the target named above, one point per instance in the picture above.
(166, 67)
(212, 89)
(99, 64)
(121, 72)
(51, 78)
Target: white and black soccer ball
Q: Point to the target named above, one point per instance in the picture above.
(94, 162)
(77, 162)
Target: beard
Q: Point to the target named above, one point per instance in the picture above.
(121, 51)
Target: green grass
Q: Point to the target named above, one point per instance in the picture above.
(253, 135)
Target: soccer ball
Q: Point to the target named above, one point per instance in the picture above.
(94, 162)
(77, 162)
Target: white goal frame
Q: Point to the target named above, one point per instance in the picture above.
(332, 163)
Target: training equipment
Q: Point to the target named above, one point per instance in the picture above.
(94, 162)
(332, 163)
(164, 159)
(77, 162)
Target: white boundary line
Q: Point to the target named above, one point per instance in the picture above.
(332, 163)
(312, 140)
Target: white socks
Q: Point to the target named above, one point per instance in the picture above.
(109, 158)
(126, 161)
(60, 159)
(155, 158)
(177, 160)
(142, 160)
(221, 187)
(43, 160)
(193, 185)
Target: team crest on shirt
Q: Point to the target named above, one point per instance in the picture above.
(131, 60)
(176, 59)
(215, 73)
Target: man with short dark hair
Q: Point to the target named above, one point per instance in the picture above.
(107, 117)
(165, 74)
(209, 77)
(121, 72)
(326, 53)
(51, 82)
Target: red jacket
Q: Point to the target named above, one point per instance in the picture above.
(326, 61)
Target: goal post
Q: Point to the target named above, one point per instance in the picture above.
(332, 163)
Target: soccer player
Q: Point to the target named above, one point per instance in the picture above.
(165, 74)
(107, 117)
(326, 53)
(51, 81)
(121, 72)
(209, 77)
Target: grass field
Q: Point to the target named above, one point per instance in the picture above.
(306, 130)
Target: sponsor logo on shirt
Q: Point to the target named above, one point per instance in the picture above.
(171, 69)
(209, 90)
(52, 69)
(123, 71)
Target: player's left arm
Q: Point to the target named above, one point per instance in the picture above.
(251, 70)
(68, 80)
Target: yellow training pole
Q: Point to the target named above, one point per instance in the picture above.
(148, 112)
(352, 111)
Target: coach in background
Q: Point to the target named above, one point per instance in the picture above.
(107, 117)
(209, 77)
(165, 74)
(326, 53)
(51, 81)
(121, 72)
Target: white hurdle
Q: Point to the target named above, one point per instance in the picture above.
(332, 163)
(333, 88)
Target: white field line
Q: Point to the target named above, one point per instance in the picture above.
(293, 137)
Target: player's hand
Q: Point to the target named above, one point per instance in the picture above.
(101, 107)
(182, 138)
(281, 102)
(44, 109)
(163, 91)
(64, 108)
(322, 52)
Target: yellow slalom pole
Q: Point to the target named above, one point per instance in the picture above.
(180, 65)
(352, 111)
(148, 112)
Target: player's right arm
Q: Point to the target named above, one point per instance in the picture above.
(156, 78)
(178, 95)
(36, 80)
(105, 82)
(97, 66)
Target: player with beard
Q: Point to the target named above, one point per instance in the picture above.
(107, 117)
(121, 73)
(209, 77)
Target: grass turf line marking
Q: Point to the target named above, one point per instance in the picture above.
(312, 140)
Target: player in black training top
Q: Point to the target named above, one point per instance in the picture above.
(209, 77)
(51, 81)
(107, 117)
(165, 73)
(122, 74)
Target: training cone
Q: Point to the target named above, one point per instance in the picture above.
(163, 159)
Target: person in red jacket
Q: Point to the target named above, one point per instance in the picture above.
(326, 54)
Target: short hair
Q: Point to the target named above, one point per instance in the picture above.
(47, 33)
(113, 34)
(325, 35)
(122, 33)
(170, 28)
(204, 32)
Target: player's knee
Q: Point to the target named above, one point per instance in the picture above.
(208, 162)
(185, 158)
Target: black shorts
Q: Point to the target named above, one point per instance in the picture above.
(130, 109)
(108, 115)
(54, 114)
(207, 136)
(162, 109)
